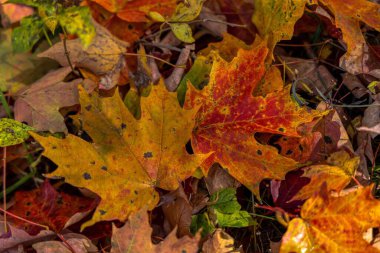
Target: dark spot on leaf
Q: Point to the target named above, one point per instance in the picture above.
(148, 155)
(104, 168)
(54, 147)
(28, 203)
(123, 126)
(131, 201)
(27, 213)
(88, 108)
(136, 192)
(102, 212)
(281, 129)
(130, 26)
(327, 139)
(92, 162)
(300, 147)
(259, 152)
(289, 152)
(86, 176)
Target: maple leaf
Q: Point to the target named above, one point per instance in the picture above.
(47, 207)
(137, 10)
(333, 224)
(127, 158)
(348, 15)
(135, 236)
(229, 117)
(39, 104)
(275, 19)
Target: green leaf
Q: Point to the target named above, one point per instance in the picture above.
(198, 76)
(183, 32)
(77, 20)
(27, 34)
(226, 201)
(237, 219)
(13, 132)
(201, 221)
(32, 3)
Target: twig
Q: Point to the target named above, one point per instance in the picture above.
(156, 58)
(64, 241)
(5, 187)
(160, 45)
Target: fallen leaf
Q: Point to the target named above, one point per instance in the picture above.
(337, 173)
(39, 104)
(79, 243)
(137, 10)
(135, 236)
(47, 207)
(348, 15)
(333, 224)
(220, 242)
(229, 117)
(11, 239)
(127, 158)
(104, 57)
(13, 132)
(275, 19)
(12, 13)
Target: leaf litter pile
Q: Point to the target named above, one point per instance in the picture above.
(190, 126)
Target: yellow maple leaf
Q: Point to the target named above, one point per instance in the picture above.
(127, 158)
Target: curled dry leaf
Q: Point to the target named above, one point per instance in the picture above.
(135, 236)
(127, 158)
(229, 117)
(104, 57)
(333, 224)
(39, 104)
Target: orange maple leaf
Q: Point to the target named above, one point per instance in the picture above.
(333, 224)
(229, 117)
(137, 10)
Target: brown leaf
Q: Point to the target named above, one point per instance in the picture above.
(104, 57)
(220, 242)
(39, 104)
(79, 243)
(135, 236)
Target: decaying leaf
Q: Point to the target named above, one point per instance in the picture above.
(104, 57)
(135, 235)
(39, 104)
(13, 132)
(127, 157)
(230, 116)
(47, 207)
(79, 243)
(14, 237)
(333, 224)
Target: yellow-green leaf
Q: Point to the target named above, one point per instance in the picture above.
(13, 132)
